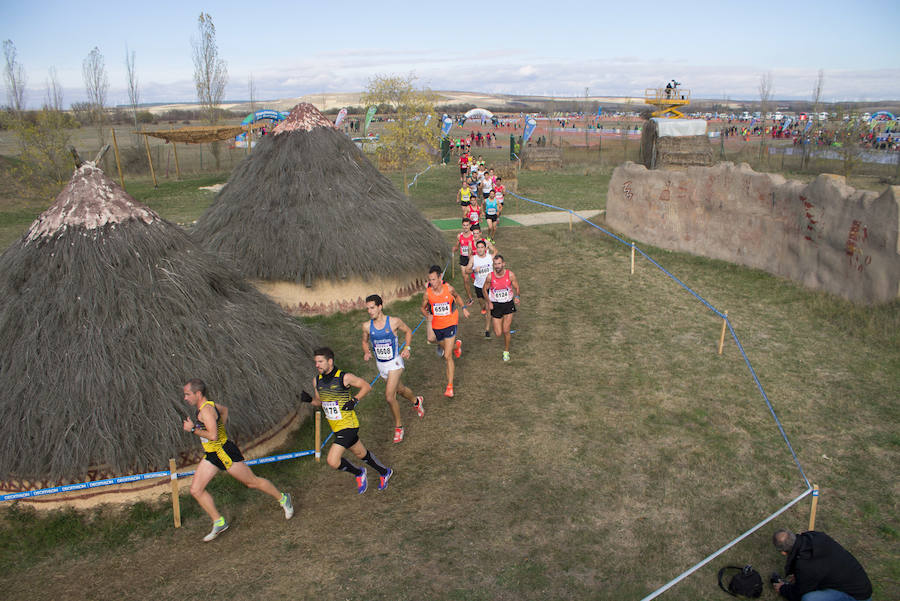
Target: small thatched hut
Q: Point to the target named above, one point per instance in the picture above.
(315, 225)
(675, 143)
(106, 310)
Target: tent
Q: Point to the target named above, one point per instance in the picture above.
(315, 225)
(482, 114)
(106, 309)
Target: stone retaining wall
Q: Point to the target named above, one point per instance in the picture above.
(825, 235)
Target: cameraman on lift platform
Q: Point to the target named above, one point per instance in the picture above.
(819, 569)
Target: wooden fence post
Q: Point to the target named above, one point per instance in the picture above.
(150, 160)
(722, 337)
(815, 502)
(318, 436)
(118, 162)
(176, 502)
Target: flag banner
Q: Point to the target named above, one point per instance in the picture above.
(369, 114)
(340, 117)
(530, 124)
(445, 127)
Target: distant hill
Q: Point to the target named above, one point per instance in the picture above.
(458, 100)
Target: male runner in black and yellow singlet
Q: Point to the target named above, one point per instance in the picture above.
(221, 454)
(333, 394)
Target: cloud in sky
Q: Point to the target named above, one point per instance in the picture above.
(522, 48)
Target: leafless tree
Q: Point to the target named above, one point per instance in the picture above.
(14, 77)
(96, 84)
(252, 94)
(765, 96)
(134, 93)
(210, 71)
(816, 102)
(53, 97)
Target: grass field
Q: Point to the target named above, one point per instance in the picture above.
(613, 452)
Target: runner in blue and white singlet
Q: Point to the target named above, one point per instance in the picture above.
(380, 338)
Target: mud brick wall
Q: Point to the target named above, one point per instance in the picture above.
(825, 234)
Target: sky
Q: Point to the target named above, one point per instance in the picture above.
(717, 49)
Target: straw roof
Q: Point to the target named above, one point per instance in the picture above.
(106, 310)
(307, 205)
(198, 134)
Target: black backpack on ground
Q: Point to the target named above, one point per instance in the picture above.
(746, 582)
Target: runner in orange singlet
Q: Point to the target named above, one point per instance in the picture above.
(441, 302)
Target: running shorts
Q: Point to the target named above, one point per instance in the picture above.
(501, 309)
(226, 456)
(346, 437)
(448, 332)
(386, 367)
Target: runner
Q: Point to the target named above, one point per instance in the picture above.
(464, 194)
(479, 266)
(499, 190)
(473, 212)
(463, 165)
(487, 184)
(332, 393)
(442, 302)
(492, 210)
(501, 301)
(465, 242)
(380, 334)
(221, 454)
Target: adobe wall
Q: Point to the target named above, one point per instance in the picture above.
(825, 235)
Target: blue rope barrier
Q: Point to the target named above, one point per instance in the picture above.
(409, 185)
(710, 307)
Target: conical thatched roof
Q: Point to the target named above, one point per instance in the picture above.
(308, 206)
(105, 311)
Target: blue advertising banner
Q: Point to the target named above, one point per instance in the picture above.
(530, 124)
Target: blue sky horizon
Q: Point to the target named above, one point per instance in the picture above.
(718, 50)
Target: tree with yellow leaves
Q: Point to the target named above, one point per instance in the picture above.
(407, 139)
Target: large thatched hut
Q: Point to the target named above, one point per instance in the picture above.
(106, 310)
(314, 225)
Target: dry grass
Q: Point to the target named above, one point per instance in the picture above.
(614, 451)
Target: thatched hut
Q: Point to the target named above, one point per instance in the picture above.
(105, 310)
(675, 143)
(313, 224)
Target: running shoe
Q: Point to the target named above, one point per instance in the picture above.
(449, 391)
(419, 406)
(398, 434)
(469, 301)
(287, 506)
(487, 333)
(506, 355)
(484, 311)
(216, 531)
(439, 350)
(361, 483)
(457, 350)
(383, 480)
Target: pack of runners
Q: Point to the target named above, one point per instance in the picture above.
(485, 276)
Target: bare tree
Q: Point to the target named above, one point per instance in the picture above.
(53, 97)
(134, 93)
(252, 94)
(96, 84)
(210, 71)
(816, 102)
(765, 96)
(13, 77)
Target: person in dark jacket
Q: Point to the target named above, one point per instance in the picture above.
(819, 569)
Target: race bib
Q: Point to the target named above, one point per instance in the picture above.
(464, 250)
(384, 350)
(502, 295)
(491, 210)
(331, 409)
(440, 309)
(483, 270)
